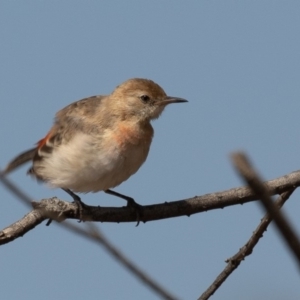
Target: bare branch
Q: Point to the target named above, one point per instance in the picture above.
(59, 210)
(188, 206)
(14, 189)
(234, 261)
(251, 177)
(19, 228)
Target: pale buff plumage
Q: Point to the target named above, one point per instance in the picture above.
(98, 142)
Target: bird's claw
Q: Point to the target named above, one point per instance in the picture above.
(80, 206)
(137, 208)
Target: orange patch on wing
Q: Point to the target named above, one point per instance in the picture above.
(43, 141)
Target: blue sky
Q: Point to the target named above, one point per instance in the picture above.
(238, 64)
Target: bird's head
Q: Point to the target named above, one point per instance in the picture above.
(142, 98)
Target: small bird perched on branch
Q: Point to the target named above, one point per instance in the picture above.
(97, 143)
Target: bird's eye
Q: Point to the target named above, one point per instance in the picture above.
(145, 98)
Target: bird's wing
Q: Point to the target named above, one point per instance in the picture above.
(78, 111)
(76, 116)
(73, 116)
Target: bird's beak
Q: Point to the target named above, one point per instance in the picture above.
(170, 99)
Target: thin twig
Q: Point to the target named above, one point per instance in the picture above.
(252, 178)
(15, 189)
(95, 235)
(234, 261)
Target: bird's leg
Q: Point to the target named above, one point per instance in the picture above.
(77, 200)
(73, 195)
(130, 203)
(49, 222)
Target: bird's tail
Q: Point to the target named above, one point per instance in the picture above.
(19, 160)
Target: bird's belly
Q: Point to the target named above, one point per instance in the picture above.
(85, 166)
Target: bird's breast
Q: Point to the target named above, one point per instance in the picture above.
(130, 135)
(132, 145)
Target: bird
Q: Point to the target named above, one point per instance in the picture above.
(98, 142)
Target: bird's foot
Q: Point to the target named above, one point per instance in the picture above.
(78, 202)
(80, 206)
(49, 222)
(137, 208)
(130, 203)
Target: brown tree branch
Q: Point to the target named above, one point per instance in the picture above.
(252, 178)
(263, 192)
(19, 228)
(234, 261)
(59, 210)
